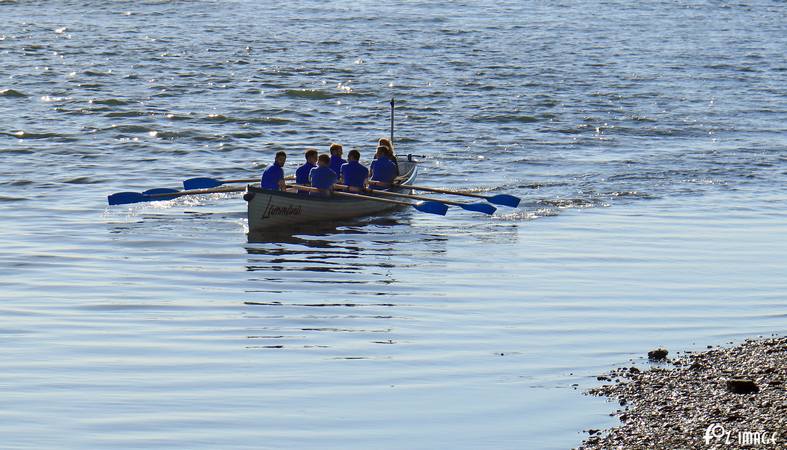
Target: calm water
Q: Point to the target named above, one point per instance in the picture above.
(649, 143)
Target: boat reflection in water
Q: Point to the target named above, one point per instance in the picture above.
(341, 289)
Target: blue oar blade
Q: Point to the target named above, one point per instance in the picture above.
(431, 208)
(154, 195)
(201, 183)
(122, 198)
(485, 208)
(505, 200)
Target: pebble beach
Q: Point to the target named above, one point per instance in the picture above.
(721, 398)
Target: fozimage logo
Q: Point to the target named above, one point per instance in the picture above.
(717, 434)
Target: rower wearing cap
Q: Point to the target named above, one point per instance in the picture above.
(336, 158)
(353, 173)
(383, 170)
(302, 174)
(322, 177)
(273, 177)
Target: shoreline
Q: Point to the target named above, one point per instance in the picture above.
(729, 397)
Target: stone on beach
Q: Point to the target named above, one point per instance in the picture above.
(658, 354)
(738, 386)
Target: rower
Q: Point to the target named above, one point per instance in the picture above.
(353, 173)
(387, 143)
(322, 177)
(383, 170)
(273, 177)
(302, 174)
(336, 158)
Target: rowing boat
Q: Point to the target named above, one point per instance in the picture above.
(279, 209)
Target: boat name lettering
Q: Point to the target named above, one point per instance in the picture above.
(289, 210)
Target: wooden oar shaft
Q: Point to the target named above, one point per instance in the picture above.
(241, 180)
(442, 191)
(351, 195)
(369, 197)
(251, 180)
(414, 197)
(199, 192)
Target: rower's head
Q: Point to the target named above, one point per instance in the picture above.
(324, 160)
(354, 155)
(385, 142)
(281, 158)
(311, 156)
(381, 151)
(336, 150)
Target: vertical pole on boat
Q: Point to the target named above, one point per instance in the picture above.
(392, 118)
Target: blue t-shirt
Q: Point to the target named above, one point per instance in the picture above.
(336, 163)
(302, 174)
(271, 176)
(383, 170)
(354, 174)
(322, 177)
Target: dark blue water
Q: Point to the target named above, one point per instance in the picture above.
(646, 140)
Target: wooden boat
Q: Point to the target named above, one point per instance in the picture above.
(277, 209)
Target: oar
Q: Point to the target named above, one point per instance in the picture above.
(485, 208)
(207, 183)
(424, 206)
(152, 195)
(500, 199)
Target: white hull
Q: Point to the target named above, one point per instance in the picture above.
(277, 210)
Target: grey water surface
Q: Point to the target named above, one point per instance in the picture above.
(648, 141)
